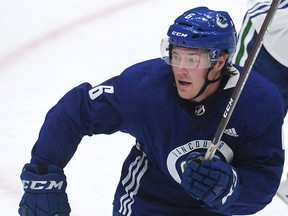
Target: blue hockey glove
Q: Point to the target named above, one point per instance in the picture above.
(44, 192)
(214, 182)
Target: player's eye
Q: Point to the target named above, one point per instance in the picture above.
(192, 59)
(176, 57)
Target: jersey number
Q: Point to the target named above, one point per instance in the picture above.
(98, 90)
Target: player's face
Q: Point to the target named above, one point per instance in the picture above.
(189, 68)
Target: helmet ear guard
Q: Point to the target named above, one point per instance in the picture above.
(165, 50)
(204, 29)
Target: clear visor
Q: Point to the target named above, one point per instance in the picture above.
(185, 57)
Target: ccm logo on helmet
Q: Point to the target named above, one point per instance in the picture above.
(180, 34)
(39, 185)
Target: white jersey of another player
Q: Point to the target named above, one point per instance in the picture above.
(276, 38)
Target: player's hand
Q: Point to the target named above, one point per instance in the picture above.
(44, 192)
(214, 182)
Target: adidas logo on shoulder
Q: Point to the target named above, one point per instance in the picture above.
(231, 132)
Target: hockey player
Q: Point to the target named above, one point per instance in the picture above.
(172, 108)
(272, 60)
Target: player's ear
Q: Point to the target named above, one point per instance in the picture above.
(220, 63)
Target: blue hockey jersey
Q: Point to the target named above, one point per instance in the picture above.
(143, 101)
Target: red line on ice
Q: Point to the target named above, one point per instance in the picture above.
(13, 56)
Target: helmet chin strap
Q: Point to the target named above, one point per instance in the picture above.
(207, 82)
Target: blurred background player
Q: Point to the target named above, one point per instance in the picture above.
(272, 60)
